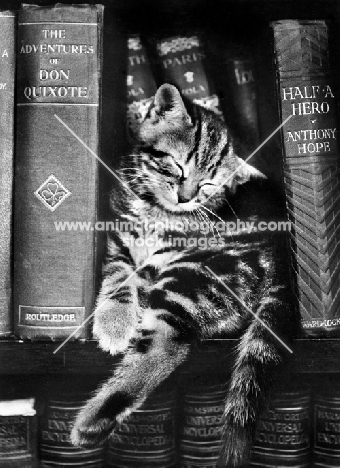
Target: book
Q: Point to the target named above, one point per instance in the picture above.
(311, 169)
(282, 438)
(141, 85)
(56, 178)
(18, 434)
(60, 409)
(326, 436)
(146, 439)
(7, 75)
(201, 426)
(182, 63)
(240, 103)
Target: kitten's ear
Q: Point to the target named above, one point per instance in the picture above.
(168, 104)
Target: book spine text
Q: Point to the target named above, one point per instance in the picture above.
(141, 86)
(311, 169)
(182, 61)
(7, 75)
(58, 98)
(282, 437)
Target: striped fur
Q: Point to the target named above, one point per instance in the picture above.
(172, 302)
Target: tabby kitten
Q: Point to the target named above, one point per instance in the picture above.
(158, 298)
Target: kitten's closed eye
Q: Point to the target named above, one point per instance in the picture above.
(169, 161)
(207, 183)
(156, 153)
(184, 171)
(207, 187)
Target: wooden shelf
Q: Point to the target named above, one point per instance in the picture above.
(17, 357)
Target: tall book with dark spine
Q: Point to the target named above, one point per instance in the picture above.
(58, 99)
(283, 432)
(201, 426)
(326, 443)
(18, 434)
(146, 439)
(55, 426)
(240, 106)
(141, 85)
(311, 169)
(7, 75)
(183, 64)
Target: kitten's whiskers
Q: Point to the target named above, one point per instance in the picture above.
(231, 208)
(199, 217)
(226, 224)
(214, 214)
(210, 223)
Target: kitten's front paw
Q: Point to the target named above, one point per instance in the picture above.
(114, 325)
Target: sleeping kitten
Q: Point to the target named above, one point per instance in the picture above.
(158, 299)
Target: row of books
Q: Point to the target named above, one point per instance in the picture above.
(177, 428)
(51, 75)
(56, 141)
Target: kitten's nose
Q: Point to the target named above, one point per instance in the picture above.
(185, 192)
(183, 199)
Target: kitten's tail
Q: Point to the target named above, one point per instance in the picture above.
(258, 361)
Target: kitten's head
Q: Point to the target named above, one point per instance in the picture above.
(185, 157)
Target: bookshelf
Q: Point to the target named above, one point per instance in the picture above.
(310, 356)
(240, 19)
(122, 17)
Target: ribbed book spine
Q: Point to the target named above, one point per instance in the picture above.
(240, 104)
(311, 169)
(7, 75)
(326, 444)
(141, 86)
(283, 432)
(201, 431)
(56, 422)
(58, 99)
(18, 434)
(183, 64)
(146, 439)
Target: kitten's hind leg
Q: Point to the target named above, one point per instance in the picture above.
(154, 353)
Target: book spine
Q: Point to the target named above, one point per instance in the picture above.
(182, 60)
(7, 75)
(326, 444)
(240, 106)
(201, 432)
(146, 439)
(56, 423)
(56, 177)
(141, 86)
(311, 169)
(18, 435)
(283, 432)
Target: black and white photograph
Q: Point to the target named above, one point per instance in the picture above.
(169, 234)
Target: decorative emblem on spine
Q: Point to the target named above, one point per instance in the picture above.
(210, 103)
(129, 80)
(189, 76)
(52, 193)
(134, 43)
(300, 45)
(178, 44)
